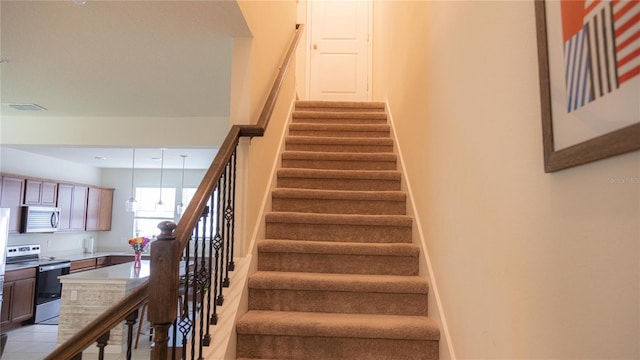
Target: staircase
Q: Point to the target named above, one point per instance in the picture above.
(337, 273)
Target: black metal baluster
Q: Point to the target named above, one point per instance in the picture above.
(185, 324)
(203, 280)
(102, 342)
(228, 215)
(232, 264)
(130, 321)
(174, 341)
(217, 243)
(222, 217)
(195, 287)
(207, 338)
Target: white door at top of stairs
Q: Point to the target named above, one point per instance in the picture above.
(340, 50)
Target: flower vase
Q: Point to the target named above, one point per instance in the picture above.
(137, 258)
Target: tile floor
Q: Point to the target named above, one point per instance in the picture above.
(34, 342)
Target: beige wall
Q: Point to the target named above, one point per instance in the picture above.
(528, 265)
(272, 25)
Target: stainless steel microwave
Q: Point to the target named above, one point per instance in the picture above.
(39, 219)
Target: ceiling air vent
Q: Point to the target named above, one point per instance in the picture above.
(27, 107)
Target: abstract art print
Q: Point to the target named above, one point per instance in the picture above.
(589, 61)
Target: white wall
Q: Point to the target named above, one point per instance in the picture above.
(528, 265)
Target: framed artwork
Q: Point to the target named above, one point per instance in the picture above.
(589, 63)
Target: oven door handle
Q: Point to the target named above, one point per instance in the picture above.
(54, 267)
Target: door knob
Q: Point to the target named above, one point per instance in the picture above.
(315, 46)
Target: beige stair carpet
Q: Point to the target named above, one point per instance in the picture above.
(337, 273)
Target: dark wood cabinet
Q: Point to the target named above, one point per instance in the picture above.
(11, 197)
(82, 265)
(79, 208)
(102, 261)
(99, 208)
(120, 259)
(7, 294)
(65, 195)
(18, 296)
(72, 201)
(40, 192)
(90, 264)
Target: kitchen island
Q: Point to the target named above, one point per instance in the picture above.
(88, 294)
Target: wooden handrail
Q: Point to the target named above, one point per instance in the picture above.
(132, 301)
(201, 196)
(263, 120)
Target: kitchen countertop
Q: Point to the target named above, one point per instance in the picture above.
(116, 273)
(72, 256)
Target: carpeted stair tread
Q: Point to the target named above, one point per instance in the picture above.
(340, 174)
(339, 219)
(339, 194)
(338, 282)
(338, 257)
(345, 105)
(338, 201)
(340, 130)
(339, 160)
(338, 227)
(294, 323)
(328, 140)
(338, 248)
(338, 156)
(338, 115)
(339, 144)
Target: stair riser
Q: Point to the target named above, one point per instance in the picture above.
(338, 264)
(338, 165)
(369, 149)
(337, 121)
(338, 232)
(338, 302)
(315, 347)
(341, 109)
(336, 206)
(338, 184)
(329, 133)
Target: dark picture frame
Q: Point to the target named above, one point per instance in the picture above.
(616, 142)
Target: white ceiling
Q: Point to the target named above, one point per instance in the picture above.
(118, 59)
(112, 157)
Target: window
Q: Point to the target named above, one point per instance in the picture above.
(148, 215)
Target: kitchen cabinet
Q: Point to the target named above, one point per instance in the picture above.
(72, 201)
(120, 259)
(40, 192)
(102, 261)
(11, 197)
(99, 208)
(82, 265)
(18, 296)
(89, 264)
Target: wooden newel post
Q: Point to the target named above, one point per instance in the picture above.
(163, 286)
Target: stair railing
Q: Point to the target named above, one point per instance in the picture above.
(190, 261)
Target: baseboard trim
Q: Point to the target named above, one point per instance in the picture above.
(446, 346)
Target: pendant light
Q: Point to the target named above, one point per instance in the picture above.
(160, 204)
(131, 203)
(180, 207)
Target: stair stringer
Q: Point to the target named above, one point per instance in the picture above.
(426, 270)
(227, 349)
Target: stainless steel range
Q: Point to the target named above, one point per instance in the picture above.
(48, 288)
